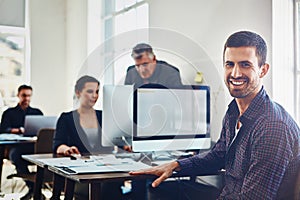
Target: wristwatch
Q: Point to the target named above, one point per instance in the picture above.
(21, 130)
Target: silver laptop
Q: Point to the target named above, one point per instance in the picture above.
(33, 123)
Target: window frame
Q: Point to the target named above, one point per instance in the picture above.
(297, 59)
(7, 101)
(108, 23)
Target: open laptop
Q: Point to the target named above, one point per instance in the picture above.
(33, 123)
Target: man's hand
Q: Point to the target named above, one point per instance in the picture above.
(71, 150)
(20, 130)
(66, 150)
(15, 130)
(163, 172)
(127, 148)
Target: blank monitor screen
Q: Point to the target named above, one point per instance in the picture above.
(33, 123)
(171, 118)
(117, 115)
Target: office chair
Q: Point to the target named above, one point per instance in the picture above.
(296, 183)
(297, 187)
(42, 145)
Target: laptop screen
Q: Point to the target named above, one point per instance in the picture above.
(33, 123)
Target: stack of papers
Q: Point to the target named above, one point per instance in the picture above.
(11, 136)
(94, 164)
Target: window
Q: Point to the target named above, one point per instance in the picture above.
(12, 64)
(297, 60)
(121, 16)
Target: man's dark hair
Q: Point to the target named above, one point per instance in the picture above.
(24, 87)
(140, 48)
(84, 79)
(248, 39)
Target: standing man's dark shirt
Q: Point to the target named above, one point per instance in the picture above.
(15, 117)
(164, 74)
(148, 70)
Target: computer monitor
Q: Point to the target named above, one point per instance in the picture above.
(168, 119)
(117, 115)
(33, 123)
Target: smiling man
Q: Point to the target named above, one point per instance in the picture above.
(13, 118)
(149, 70)
(259, 146)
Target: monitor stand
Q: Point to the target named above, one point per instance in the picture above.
(155, 157)
(161, 157)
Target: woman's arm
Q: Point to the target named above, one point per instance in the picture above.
(61, 137)
(66, 150)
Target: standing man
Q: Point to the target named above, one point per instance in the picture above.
(149, 70)
(13, 122)
(259, 146)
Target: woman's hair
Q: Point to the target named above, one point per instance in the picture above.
(84, 79)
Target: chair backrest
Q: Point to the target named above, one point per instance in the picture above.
(44, 145)
(297, 187)
(44, 140)
(290, 186)
(296, 194)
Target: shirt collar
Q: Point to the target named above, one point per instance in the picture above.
(252, 111)
(19, 108)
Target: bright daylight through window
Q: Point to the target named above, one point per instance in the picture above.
(121, 16)
(297, 67)
(12, 64)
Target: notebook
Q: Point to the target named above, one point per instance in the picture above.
(33, 123)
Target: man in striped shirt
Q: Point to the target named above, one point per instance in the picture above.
(259, 143)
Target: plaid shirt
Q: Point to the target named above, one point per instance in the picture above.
(261, 160)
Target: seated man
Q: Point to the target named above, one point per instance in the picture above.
(259, 143)
(149, 70)
(13, 122)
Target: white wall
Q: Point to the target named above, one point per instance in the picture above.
(58, 47)
(209, 24)
(59, 44)
(76, 43)
(48, 72)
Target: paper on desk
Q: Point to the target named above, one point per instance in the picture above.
(63, 161)
(96, 164)
(10, 136)
(94, 168)
(109, 160)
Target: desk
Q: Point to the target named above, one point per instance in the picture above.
(4, 144)
(94, 180)
(40, 171)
